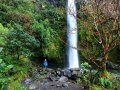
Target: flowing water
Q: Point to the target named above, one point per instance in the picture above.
(72, 38)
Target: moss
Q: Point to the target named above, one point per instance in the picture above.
(95, 87)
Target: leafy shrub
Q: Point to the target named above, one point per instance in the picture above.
(19, 4)
(17, 73)
(105, 82)
(48, 37)
(20, 42)
(20, 88)
(19, 17)
(3, 34)
(86, 75)
(95, 87)
(4, 69)
(55, 16)
(3, 12)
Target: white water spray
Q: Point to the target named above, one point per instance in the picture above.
(72, 53)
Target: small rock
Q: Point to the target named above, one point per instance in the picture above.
(82, 87)
(28, 81)
(52, 85)
(68, 82)
(53, 78)
(49, 69)
(63, 79)
(45, 81)
(65, 85)
(58, 73)
(67, 72)
(74, 73)
(42, 83)
(40, 70)
(37, 76)
(57, 77)
(47, 75)
(32, 87)
(53, 72)
(59, 85)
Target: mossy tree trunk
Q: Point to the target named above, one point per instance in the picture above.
(103, 65)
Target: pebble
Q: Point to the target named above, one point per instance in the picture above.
(32, 87)
(65, 85)
(59, 85)
(27, 81)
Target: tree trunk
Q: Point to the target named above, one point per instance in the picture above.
(103, 63)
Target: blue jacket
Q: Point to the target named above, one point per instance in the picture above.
(45, 63)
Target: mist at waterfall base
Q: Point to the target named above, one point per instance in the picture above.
(72, 36)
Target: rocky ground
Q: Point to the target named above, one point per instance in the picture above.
(50, 79)
(48, 85)
(56, 79)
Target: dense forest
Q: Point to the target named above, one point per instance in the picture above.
(34, 30)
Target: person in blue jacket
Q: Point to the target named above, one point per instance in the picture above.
(45, 63)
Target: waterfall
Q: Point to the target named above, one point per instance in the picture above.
(72, 38)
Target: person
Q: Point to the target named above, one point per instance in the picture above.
(45, 63)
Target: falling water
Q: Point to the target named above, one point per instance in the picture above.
(72, 53)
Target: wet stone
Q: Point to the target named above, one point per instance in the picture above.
(52, 77)
(58, 73)
(32, 87)
(59, 85)
(74, 73)
(53, 72)
(63, 79)
(67, 73)
(65, 85)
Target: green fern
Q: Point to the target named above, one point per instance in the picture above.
(105, 82)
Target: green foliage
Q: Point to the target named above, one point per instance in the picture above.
(3, 34)
(20, 88)
(88, 46)
(30, 15)
(85, 66)
(89, 77)
(47, 36)
(86, 75)
(19, 4)
(18, 72)
(56, 17)
(4, 69)
(105, 82)
(20, 42)
(48, 23)
(3, 12)
(31, 29)
(12, 73)
(78, 81)
(95, 87)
